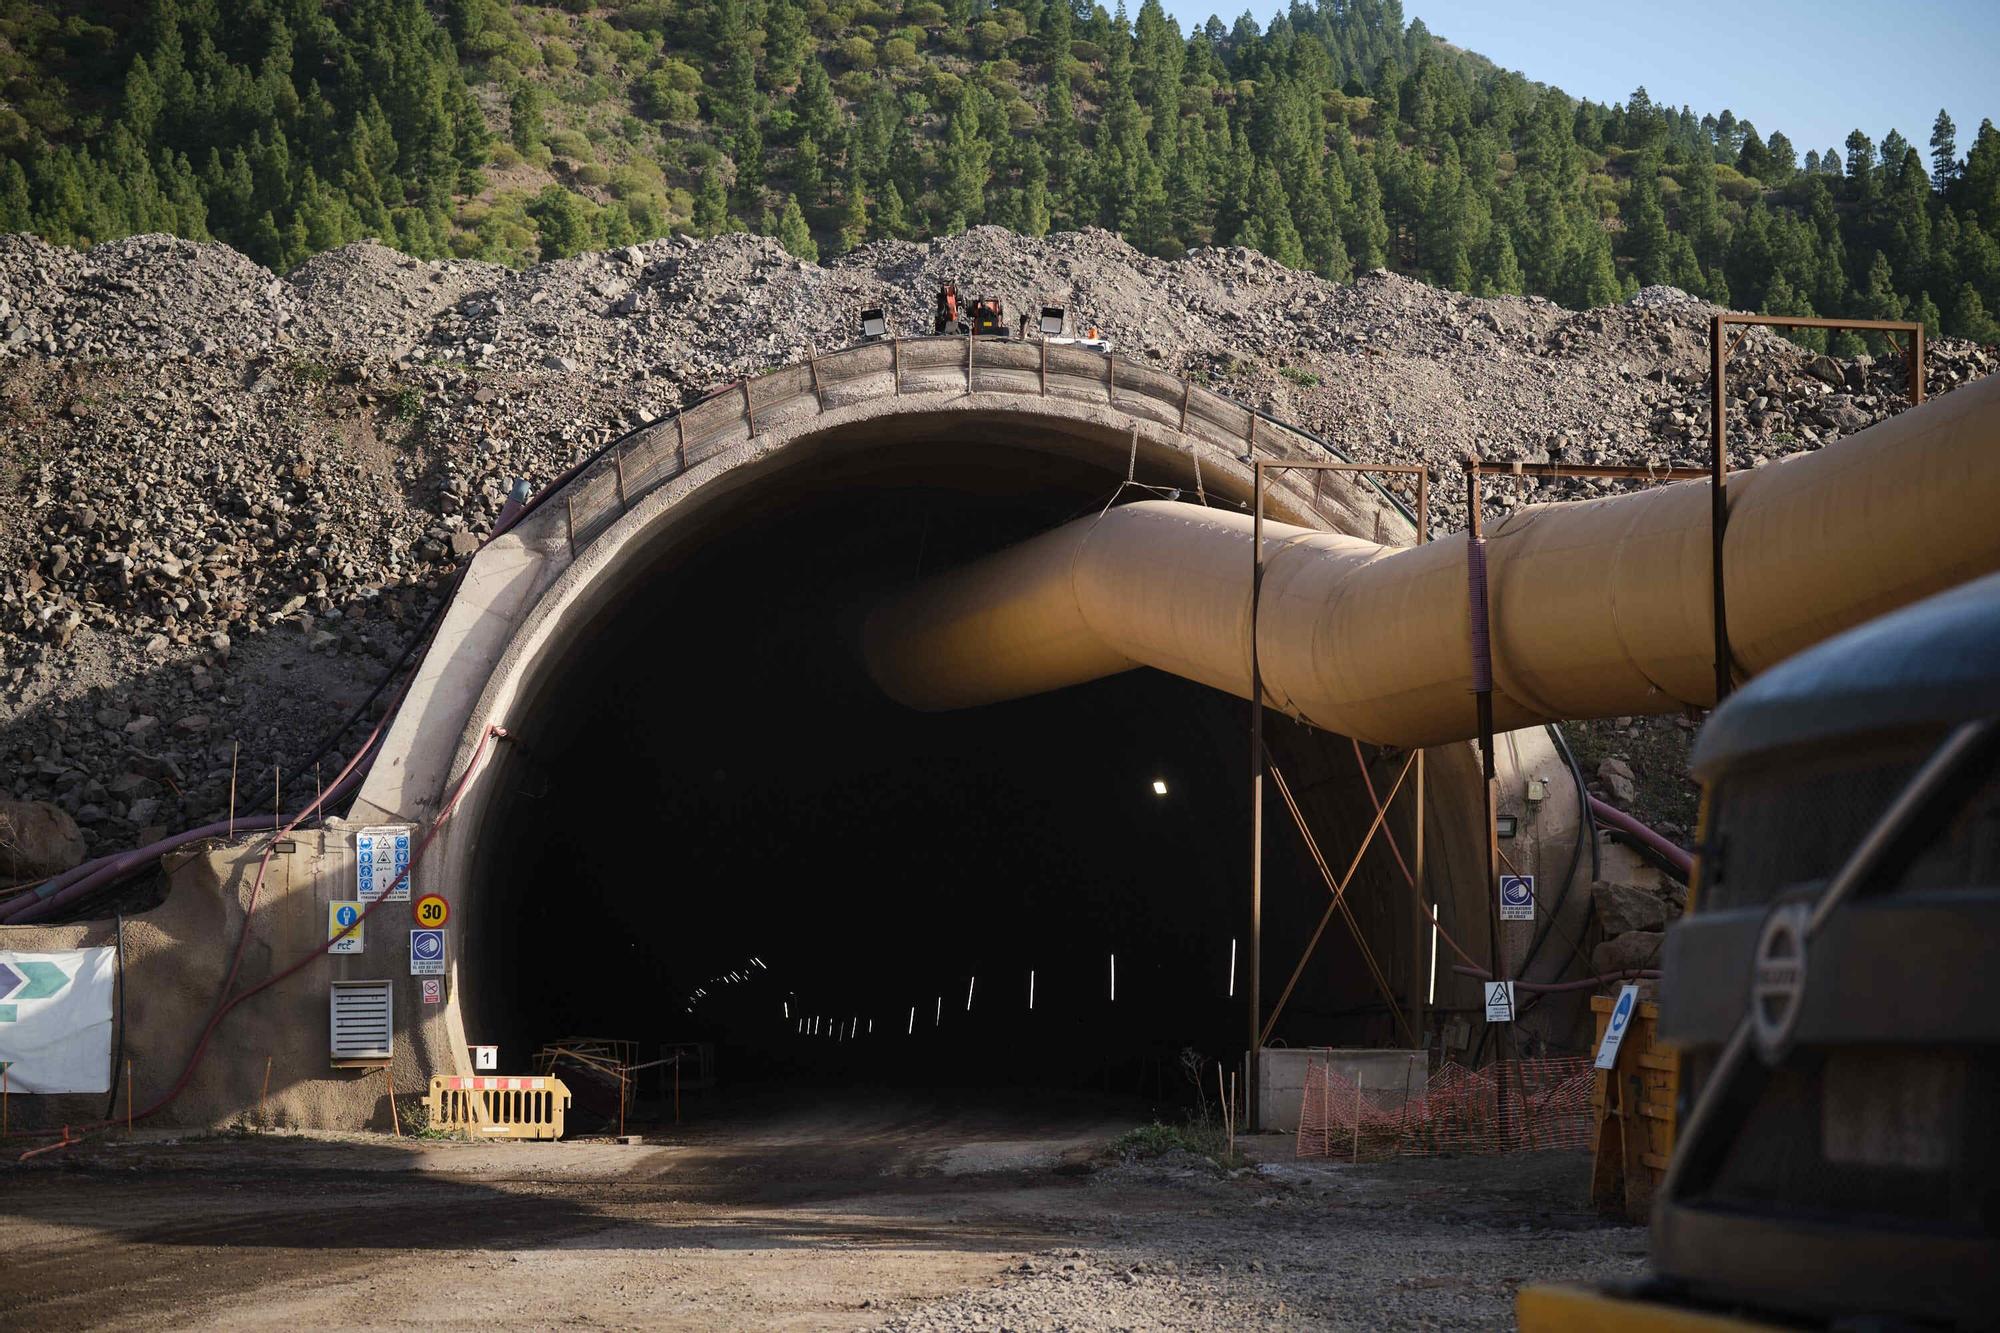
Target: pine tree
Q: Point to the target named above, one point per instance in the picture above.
(524, 118)
(16, 210)
(1944, 151)
(1969, 318)
(1034, 210)
(964, 164)
(1861, 163)
(853, 229)
(1499, 271)
(1925, 312)
(793, 233)
(1269, 226)
(1879, 299)
(1151, 228)
(784, 43)
(808, 171)
(890, 223)
(563, 223)
(711, 204)
(1646, 236)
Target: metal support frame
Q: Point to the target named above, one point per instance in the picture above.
(1719, 352)
(1475, 468)
(1337, 889)
(1258, 756)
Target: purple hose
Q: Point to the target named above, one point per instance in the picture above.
(93, 875)
(1674, 854)
(1482, 647)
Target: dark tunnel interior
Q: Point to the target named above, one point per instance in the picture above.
(709, 825)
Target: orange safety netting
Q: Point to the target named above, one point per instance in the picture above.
(1509, 1106)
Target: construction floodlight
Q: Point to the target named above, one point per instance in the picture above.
(1052, 321)
(874, 325)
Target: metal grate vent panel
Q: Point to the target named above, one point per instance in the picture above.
(364, 1023)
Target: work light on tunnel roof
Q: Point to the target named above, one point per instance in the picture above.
(1052, 321)
(874, 325)
(1159, 786)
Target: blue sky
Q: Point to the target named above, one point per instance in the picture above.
(1812, 68)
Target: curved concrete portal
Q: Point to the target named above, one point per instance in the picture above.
(695, 759)
(688, 541)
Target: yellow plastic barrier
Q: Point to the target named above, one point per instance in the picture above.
(499, 1108)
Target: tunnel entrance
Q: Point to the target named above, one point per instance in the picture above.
(709, 825)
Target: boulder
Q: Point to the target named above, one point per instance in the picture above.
(37, 840)
(1616, 775)
(1633, 950)
(1627, 907)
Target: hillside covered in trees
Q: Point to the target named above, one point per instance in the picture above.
(1337, 137)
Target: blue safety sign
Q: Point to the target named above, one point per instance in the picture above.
(426, 953)
(382, 863)
(345, 928)
(1517, 897)
(1621, 1021)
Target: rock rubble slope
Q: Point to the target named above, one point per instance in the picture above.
(228, 499)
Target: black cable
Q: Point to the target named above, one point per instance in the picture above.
(1586, 822)
(420, 637)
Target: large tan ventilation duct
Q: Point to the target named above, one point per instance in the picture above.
(1599, 607)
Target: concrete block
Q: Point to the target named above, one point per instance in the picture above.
(1281, 1081)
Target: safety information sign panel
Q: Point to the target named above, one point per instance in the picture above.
(1517, 897)
(1499, 1001)
(382, 863)
(339, 916)
(1614, 1031)
(55, 1019)
(433, 990)
(426, 953)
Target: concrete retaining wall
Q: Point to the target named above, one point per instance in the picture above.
(175, 960)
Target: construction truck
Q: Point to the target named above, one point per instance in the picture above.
(1833, 999)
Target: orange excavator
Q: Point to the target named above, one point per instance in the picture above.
(982, 316)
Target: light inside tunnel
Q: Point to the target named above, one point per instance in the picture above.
(705, 804)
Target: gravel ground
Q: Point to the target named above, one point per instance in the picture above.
(855, 1214)
(1430, 1245)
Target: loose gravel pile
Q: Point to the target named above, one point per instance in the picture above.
(227, 499)
(1412, 1245)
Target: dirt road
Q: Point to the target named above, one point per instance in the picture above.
(860, 1214)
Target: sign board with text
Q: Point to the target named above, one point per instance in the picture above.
(340, 914)
(1620, 1022)
(382, 863)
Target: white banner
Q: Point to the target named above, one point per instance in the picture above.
(55, 1019)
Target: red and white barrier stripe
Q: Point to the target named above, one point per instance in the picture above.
(498, 1084)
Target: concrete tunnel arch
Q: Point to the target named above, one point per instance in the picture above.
(945, 412)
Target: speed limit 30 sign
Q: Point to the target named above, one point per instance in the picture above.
(432, 910)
